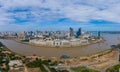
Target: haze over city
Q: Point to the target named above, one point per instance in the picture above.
(21, 15)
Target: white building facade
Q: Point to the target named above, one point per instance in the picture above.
(73, 42)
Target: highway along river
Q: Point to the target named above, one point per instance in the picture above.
(57, 52)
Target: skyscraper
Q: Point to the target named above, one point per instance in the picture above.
(71, 32)
(99, 35)
(78, 32)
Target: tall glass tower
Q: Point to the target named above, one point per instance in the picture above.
(78, 32)
(71, 32)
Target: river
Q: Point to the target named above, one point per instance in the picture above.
(26, 50)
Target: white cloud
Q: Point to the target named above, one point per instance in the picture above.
(77, 10)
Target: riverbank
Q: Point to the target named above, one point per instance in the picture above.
(27, 50)
(6, 56)
(87, 57)
(83, 57)
(7, 49)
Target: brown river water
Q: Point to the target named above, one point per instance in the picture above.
(26, 50)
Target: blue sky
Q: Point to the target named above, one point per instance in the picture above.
(21, 15)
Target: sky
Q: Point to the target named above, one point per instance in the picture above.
(94, 15)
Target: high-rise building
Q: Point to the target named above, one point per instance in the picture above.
(71, 32)
(99, 35)
(78, 32)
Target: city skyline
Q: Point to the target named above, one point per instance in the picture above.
(100, 15)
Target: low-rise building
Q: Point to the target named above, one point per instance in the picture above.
(58, 42)
(84, 41)
(65, 43)
(15, 64)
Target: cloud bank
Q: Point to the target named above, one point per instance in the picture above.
(23, 14)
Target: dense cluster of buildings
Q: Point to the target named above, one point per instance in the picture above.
(58, 42)
(53, 38)
(70, 38)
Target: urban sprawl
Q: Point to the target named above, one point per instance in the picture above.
(53, 38)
